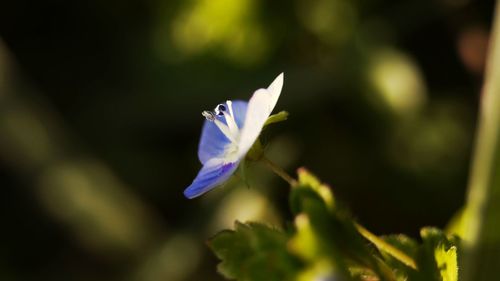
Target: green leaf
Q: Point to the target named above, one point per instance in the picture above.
(320, 269)
(446, 259)
(325, 243)
(437, 257)
(310, 186)
(275, 118)
(306, 243)
(386, 248)
(317, 241)
(301, 195)
(327, 232)
(254, 251)
(406, 245)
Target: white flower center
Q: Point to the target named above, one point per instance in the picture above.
(230, 129)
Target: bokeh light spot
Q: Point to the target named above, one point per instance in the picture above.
(332, 21)
(228, 28)
(398, 81)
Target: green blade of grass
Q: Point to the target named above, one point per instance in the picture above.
(482, 232)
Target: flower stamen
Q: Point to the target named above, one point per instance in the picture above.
(231, 130)
(224, 129)
(209, 115)
(231, 123)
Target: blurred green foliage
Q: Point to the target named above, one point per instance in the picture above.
(325, 245)
(253, 252)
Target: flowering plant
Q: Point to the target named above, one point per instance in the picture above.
(325, 242)
(229, 132)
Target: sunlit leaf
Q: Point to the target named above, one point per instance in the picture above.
(326, 232)
(446, 260)
(325, 243)
(403, 243)
(320, 269)
(275, 118)
(308, 180)
(305, 243)
(437, 256)
(406, 245)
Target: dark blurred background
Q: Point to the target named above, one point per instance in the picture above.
(100, 107)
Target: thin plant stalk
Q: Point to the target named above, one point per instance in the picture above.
(482, 217)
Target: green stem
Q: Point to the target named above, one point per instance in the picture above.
(278, 171)
(482, 234)
(386, 247)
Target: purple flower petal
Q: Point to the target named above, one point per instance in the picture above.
(213, 141)
(213, 173)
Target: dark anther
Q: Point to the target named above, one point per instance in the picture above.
(220, 109)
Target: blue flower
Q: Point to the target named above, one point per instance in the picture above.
(228, 134)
